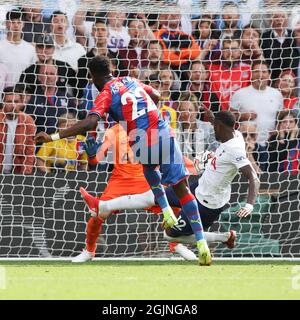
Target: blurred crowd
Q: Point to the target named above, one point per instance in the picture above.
(246, 63)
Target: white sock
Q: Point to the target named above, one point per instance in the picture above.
(135, 201)
(209, 237)
(216, 237)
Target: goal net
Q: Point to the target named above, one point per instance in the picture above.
(240, 55)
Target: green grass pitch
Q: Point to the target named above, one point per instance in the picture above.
(150, 280)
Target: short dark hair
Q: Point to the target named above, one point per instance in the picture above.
(8, 91)
(198, 62)
(226, 117)
(153, 78)
(133, 17)
(100, 20)
(14, 14)
(154, 41)
(56, 13)
(251, 26)
(100, 66)
(257, 62)
(22, 88)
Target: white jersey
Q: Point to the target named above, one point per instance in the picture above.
(214, 187)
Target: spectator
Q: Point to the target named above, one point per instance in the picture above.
(278, 45)
(83, 23)
(245, 7)
(179, 48)
(118, 36)
(287, 86)
(134, 57)
(34, 25)
(227, 76)
(153, 60)
(163, 82)
(284, 145)
(262, 20)
(49, 102)
(230, 23)
(15, 53)
(251, 50)
(258, 102)
(63, 153)
(197, 83)
(193, 135)
(166, 80)
(45, 51)
(256, 154)
(207, 36)
(100, 34)
(17, 132)
(65, 49)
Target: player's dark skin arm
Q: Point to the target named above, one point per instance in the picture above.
(209, 114)
(249, 173)
(80, 128)
(155, 96)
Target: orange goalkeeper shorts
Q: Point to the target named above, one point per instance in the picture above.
(121, 187)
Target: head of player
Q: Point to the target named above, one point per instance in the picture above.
(224, 123)
(100, 70)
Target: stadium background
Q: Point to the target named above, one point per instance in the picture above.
(42, 215)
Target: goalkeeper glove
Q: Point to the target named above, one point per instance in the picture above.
(91, 147)
(201, 160)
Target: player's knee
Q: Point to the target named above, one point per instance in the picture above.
(181, 189)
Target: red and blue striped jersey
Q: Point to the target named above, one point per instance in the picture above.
(127, 101)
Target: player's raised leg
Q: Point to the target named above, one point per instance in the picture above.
(103, 208)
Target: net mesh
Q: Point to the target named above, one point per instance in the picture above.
(196, 53)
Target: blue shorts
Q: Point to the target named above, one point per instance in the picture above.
(208, 216)
(168, 156)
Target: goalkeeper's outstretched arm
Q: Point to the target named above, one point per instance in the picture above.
(80, 128)
(253, 188)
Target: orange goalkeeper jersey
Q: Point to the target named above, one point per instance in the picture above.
(116, 140)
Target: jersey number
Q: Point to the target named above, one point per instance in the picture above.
(129, 97)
